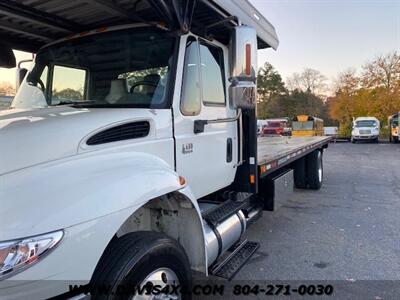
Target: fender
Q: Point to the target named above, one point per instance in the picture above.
(79, 189)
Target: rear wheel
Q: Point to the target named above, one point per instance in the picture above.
(142, 260)
(315, 171)
(300, 176)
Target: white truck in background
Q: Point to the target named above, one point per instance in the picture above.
(365, 129)
(332, 131)
(130, 154)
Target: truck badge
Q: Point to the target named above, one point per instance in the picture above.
(187, 148)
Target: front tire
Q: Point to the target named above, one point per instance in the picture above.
(139, 258)
(315, 171)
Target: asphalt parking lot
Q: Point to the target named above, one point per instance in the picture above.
(347, 234)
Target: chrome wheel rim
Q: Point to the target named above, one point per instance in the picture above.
(162, 277)
(320, 167)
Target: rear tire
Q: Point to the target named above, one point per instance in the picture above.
(130, 260)
(300, 174)
(315, 170)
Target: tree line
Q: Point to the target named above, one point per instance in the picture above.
(6, 89)
(373, 91)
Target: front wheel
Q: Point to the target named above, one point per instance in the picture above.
(139, 265)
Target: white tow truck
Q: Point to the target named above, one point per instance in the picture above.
(130, 154)
(365, 128)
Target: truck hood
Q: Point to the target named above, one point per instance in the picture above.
(30, 137)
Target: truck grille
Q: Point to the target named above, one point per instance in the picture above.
(365, 131)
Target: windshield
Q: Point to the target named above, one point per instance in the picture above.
(303, 125)
(275, 124)
(113, 69)
(366, 123)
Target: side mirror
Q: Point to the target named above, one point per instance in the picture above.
(242, 95)
(7, 57)
(243, 73)
(244, 53)
(21, 73)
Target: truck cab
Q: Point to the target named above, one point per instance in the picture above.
(365, 128)
(393, 124)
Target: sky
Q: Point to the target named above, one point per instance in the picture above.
(330, 36)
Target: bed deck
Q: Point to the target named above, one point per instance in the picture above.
(274, 152)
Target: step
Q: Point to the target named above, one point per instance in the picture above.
(223, 211)
(236, 196)
(236, 260)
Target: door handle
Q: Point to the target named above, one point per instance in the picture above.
(229, 150)
(200, 124)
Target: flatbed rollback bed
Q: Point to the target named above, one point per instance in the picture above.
(277, 152)
(168, 176)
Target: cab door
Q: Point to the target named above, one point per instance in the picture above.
(206, 159)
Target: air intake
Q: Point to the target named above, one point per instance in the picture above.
(120, 133)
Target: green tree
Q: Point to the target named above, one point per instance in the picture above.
(269, 86)
(297, 103)
(6, 89)
(68, 93)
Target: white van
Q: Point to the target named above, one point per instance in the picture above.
(331, 131)
(365, 128)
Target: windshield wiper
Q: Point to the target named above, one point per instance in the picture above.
(72, 102)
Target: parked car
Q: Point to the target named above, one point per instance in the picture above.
(365, 128)
(277, 127)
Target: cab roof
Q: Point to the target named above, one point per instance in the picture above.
(28, 25)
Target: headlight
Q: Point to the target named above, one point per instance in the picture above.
(17, 255)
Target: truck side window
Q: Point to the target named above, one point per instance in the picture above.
(68, 84)
(212, 74)
(191, 97)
